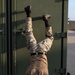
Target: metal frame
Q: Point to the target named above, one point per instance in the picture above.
(9, 35)
(62, 39)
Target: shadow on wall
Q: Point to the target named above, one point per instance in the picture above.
(19, 36)
(18, 43)
(19, 40)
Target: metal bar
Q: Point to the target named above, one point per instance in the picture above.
(9, 35)
(60, 35)
(62, 39)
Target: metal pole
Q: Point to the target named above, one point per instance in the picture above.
(9, 35)
(62, 39)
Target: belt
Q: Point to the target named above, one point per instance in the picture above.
(38, 53)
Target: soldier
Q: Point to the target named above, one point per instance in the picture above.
(38, 63)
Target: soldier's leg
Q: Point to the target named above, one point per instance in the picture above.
(46, 44)
(31, 41)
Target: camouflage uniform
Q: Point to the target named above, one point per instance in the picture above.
(43, 46)
(38, 64)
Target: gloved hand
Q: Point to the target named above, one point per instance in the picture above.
(28, 10)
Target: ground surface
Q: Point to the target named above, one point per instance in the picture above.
(71, 52)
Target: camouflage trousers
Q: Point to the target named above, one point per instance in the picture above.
(43, 46)
(38, 64)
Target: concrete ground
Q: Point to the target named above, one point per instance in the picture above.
(71, 52)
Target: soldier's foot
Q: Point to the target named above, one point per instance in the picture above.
(46, 17)
(28, 9)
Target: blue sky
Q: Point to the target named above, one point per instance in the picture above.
(71, 10)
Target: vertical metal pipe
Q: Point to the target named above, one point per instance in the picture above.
(9, 35)
(62, 39)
